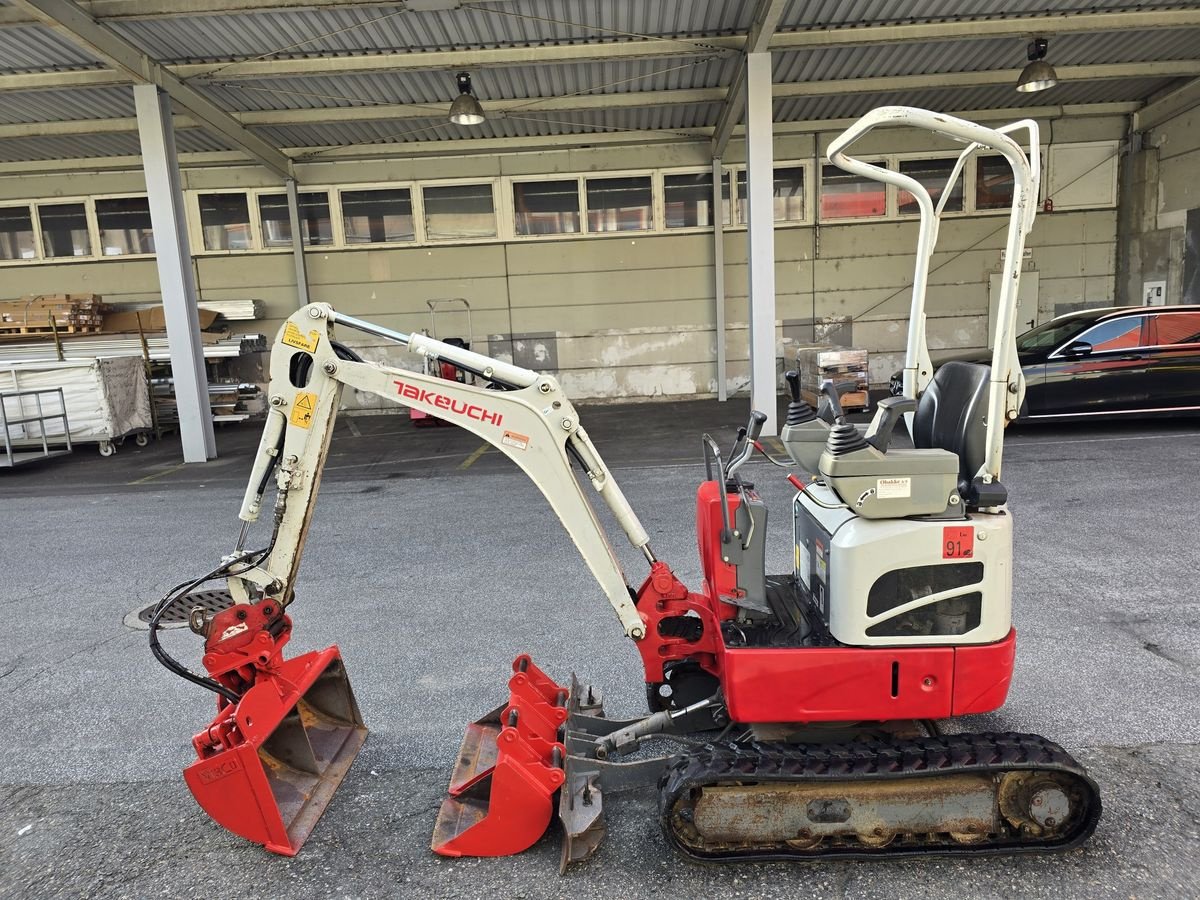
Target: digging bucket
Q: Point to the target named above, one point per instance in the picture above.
(509, 767)
(269, 765)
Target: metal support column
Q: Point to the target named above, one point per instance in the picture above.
(719, 275)
(297, 244)
(760, 178)
(176, 281)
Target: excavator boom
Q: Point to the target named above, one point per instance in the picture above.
(530, 420)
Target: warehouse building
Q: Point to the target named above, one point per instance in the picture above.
(576, 218)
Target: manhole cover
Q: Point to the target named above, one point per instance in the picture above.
(176, 615)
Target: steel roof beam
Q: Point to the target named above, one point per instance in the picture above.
(766, 20)
(69, 20)
(1170, 104)
(631, 100)
(867, 35)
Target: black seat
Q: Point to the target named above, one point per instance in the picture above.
(952, 415)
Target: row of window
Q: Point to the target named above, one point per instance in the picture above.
(499, 209)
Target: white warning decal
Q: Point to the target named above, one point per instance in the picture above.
(893, 488)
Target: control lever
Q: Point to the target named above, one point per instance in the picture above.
(887, 414)
(792, 377)
(744, 447)
(830, 408)
(798, 412)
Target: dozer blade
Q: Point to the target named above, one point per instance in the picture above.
(269, 766)
(509, 766)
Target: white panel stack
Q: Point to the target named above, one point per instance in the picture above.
(105, 398)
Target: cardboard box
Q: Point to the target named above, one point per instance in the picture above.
(153, 320)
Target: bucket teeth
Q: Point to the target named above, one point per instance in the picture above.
(508, 769)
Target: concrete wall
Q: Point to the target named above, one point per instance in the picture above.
(1160, 185)
(628, 315)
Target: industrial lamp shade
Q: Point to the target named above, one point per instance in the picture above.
(1038, 74)
(465, 110)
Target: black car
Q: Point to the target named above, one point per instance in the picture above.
(1131, 360)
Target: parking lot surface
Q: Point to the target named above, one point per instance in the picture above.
(432, 562)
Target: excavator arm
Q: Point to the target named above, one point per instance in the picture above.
(529, 420)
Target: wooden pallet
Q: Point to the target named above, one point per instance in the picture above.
(7, 328)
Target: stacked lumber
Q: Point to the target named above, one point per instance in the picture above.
(47, 313)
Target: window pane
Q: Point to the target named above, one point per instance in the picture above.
(64, 230)
(788, 193)
(845, 195)
(314, 219)
(993, 183)
(932, 174)
(546, 207)
(1174, 328)
(1115, 334)
(620, 204)
(16, 233)
(459, 212)
(377, 217)
(225, 220)
(688, 199)
(125, 226)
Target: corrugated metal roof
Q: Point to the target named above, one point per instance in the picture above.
(516, 82)
(981, 55)
(34, 48)
(488, 24)
(94, 146)
(307, 32)
(845, 106)
(835, 13)
(515, 125)
(60, 106)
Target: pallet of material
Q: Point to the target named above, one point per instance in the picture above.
(47, 313)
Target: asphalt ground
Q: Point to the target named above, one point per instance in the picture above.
(432, 564)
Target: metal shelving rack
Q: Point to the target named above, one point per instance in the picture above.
(13, 457)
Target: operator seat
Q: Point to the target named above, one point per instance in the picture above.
(952, 415)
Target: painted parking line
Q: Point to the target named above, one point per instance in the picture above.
(474, 457)
(174, 468)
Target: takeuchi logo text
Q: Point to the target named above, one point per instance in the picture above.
(441, 401)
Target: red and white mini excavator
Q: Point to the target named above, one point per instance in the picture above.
(792, 716)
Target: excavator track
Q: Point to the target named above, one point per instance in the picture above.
(961, 794)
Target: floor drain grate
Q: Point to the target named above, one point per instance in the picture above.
(177, 613)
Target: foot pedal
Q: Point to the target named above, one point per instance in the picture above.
(509, 766)
(269, 765)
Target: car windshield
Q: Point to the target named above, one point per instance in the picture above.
(1050, 334)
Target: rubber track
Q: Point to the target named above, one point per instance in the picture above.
(877, 760)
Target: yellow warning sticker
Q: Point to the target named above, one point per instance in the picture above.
(303, 409)
(294, 337)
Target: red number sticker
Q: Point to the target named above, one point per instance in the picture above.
(958, 542)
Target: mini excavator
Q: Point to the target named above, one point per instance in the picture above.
(791, 716)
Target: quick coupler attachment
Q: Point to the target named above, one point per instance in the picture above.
(509, 767)
(268, 765)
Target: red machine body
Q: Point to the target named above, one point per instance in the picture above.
(807, 683)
